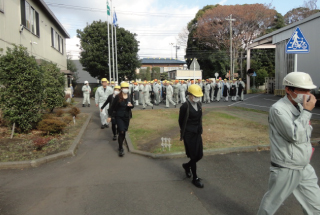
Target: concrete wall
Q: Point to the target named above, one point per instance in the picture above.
(309, 63)
(10, 21)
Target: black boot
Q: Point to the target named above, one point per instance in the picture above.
(197, 182)
(187, 170)
(106, 126)
(121, 152)
(83, 105)
(102, 126)
(88, 105)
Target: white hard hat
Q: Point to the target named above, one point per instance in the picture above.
(86, 82)
(300, 80)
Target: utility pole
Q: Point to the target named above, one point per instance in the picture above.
(177, 47)
(231, 62)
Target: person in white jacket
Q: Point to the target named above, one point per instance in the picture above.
(291, 149)
(146, 95)
(86, 89)
(102, 94)
(169, 95)
(183, 89)
(207, 91)
(156, 91)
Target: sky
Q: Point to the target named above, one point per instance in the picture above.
(156, 22)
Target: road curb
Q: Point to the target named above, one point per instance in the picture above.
(37, 162)
(183, 154)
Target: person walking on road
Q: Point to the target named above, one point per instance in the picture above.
(109, 100)
(169, 95)
(226, 90)
(101, 96)
(86, 89)
(146, 95)
(136, 93)
(207, 91)
(121, 109)
(156, 90)
(182, 90)
(141, 88)
(291, 149)
(241, 89)
(190, 122)
(177, 92)
(233, 91)
(217, 91)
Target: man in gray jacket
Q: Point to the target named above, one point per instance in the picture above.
(291, 149)
(156, 90)
(169, 94)
(102, 94)
(86, 90)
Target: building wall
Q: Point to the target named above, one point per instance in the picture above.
(10, 21)
(309, 63)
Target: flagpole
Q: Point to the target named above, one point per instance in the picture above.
(112, 44)
(115, 29)
(109, 43)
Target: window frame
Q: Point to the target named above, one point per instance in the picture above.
(30, 18)
(57, 41)
(2, 4)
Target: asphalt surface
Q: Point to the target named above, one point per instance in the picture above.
(97, 181)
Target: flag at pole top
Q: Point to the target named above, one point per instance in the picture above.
(108, 8)
(115, 19)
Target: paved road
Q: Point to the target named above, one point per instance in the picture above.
(98, 182)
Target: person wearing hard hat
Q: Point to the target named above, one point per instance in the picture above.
(291, 149)
(141, 88)
(136, 93)
(131, 88)
(241, 89)
(102, 94)
(190, 122)
(156, 91)
(146, 93)
(112, 85)
(226, 90)
(207, 91)
(121, 109)
(86, 89)
(176, 91)
(233, 91)
(199, 83)
(217, 91)
(169, 94)
(109, 100)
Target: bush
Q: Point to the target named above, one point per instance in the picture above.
(74, 111)
(51, 126)
(67, 119)
(59, 113)
(54, 84)
(47, 116)
(65, 104)
(21, 91)
(40, 142)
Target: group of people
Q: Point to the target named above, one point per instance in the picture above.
(289, 124)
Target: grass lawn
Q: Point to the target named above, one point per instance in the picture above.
(221, 130)
(22, 146)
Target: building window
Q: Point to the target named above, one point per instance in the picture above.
(29, 17)
(2, 6)
(56, 41)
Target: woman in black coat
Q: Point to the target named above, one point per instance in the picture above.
(190, 121)
(121, 110)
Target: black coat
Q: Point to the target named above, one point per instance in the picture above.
(225, 91)
(108, 101)
(116, 108)
(240, 88)
(190, 122)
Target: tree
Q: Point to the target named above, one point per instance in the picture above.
(72, 67)
(148, 74)
(182, 39)
(296, 14)
(21, 90)
(94, 50)
(54, 84)
(156, 72)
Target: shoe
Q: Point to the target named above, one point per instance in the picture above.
(175, 106)
(167, 107)
(143, 108)
(88, 105)
(187, 170)
(106, 126)
(102, 126)
(197, 182)
(121, 152)
(152, 107)
(115, 137)
(83, 105)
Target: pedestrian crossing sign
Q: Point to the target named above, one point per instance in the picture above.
(297, 43)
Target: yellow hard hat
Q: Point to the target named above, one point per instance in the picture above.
(124, 85)
(104, 79)
(112, 82)
(195, 90)
(240, 79)
(117, 87)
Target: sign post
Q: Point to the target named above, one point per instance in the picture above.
(297, 45)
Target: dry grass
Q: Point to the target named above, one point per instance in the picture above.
(221, 130)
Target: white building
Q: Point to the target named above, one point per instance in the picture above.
(32, 24)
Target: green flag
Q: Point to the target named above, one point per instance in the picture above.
(108, 8)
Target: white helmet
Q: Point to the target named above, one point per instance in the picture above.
(86, 82)
(300, 80)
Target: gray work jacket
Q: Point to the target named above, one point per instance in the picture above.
(290, 133)
(101, 96)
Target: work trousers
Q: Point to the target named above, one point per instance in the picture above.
(86, 98)
(169, 100)
(283, 181)
(183, 97)
(103, 114)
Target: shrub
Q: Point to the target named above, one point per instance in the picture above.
(54, 84)
(51, 126)
(59, 113)
(74, 111)
(40, 142)
(67, 119)
(65, 104)
(21, 91)
(47, 116)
